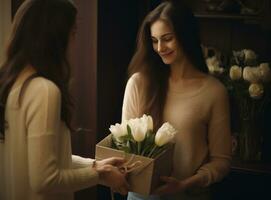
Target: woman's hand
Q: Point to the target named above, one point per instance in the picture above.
(115, 161)
(171, 186)
(111, 176)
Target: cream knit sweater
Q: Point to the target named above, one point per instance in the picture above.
(203, 141)
(35, 159)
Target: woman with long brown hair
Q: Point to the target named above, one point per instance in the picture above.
(35, 111)
(169, 81)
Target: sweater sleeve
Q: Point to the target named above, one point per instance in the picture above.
(131, 100)
(79, 162)
(43, 103)
(219, 140)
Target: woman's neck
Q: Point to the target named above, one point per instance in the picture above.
(183, 70)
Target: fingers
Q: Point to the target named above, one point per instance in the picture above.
(116, 161)
(121, 186)
(123, 181)
(108, 168)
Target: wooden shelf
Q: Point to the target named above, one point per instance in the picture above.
(248, 18)
(251, 167)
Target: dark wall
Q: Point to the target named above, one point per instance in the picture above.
(117, 26)
(117, 29)
(84, 85)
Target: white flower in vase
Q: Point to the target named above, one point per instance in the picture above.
(213, 65)
(265, 72)
(256, 90)
(249, 56)
(235, 72)
(251, 74)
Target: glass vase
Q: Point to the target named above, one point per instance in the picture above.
(250, 141)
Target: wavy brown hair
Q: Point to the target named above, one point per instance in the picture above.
(40, 37)
(149, 64)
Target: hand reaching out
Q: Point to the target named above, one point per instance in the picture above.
(115, 161)
(111, 176)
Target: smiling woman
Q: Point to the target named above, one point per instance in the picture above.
(164, 41)
(5, 22)
(169, 81)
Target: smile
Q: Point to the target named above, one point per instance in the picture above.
(166, 54)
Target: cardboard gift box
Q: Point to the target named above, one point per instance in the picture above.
(145, 177)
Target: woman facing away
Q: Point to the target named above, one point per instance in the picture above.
(169, 81)
(35, 116)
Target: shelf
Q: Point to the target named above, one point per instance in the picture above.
(248, 18)
(251, 167)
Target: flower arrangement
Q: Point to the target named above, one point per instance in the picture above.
(248, 78)
(137, 136)
(248, 84)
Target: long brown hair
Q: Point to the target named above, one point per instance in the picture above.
(40, 37)
(149, 64)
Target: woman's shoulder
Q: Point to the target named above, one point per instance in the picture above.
(38, 89)
(41, 85)
(215, 86)
(136, 79)
(36, 84)
(214, 83)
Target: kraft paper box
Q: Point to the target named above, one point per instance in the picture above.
(146, 178)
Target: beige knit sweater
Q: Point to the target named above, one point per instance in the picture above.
(203, 141)
(35, 158)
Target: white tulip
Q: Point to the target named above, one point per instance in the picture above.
(148, 120)
(214, 69)
(249, 55)
(213, 65)
(211, 69)
(138, 129)
(165, 134)
(119, 130)
(251, 74)
(265, 72)
(256, 90)
(235, 72)
(212, 61)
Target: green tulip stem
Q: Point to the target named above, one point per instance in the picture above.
(143, 152)
(138, 148)
(151, 152)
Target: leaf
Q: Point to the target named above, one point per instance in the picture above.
(133, 147)
(114, 146)
(126, 149)
(129, 131)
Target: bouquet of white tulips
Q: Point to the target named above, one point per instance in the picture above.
(136, 136)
